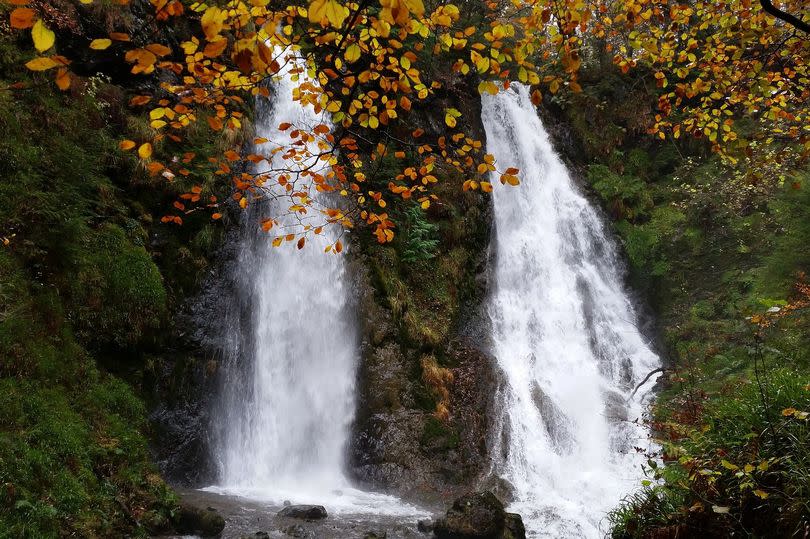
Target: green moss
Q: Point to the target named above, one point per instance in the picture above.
(115, 289)
(436, 436)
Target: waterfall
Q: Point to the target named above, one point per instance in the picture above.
(288, 396)
(564, 335)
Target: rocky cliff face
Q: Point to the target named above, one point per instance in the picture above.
(426, 381)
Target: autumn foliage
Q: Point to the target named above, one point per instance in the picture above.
(366, 64)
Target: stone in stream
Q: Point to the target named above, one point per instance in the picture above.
(305, 512)
(479, 515)
(425, 526)
(194, 520)
(257, 535)
(298, 532)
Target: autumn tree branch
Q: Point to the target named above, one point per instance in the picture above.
(768, 6)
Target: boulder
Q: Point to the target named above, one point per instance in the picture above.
(305, 512)
(479, 515)
(425, 526)
(193, 520)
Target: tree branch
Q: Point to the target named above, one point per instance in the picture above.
(649, 375)
(768, 6)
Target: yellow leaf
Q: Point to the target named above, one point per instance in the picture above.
(450, 117)
(728, 465)
(352, 53)
(43, 37)
(100, 44)
(277, 241)
(332, 11)
(145, 151)
(41, 64)
(212, 22)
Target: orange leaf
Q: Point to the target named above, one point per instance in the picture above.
(139, 100)
(22, 17)
(126, 145)
(42, 64)
(215, 123)
(63, 79)
(158, 50)
(215, 48)
(301, 243)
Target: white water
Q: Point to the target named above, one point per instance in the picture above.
(285, 418)
(564, 335)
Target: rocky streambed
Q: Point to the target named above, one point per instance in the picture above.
(208, 514)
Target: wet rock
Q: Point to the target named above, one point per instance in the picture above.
(286, 503)
(514, 527)
(305, 512)
(479, 515)
(375, 535)
(558, 426)
(257, 535)
(299, 532)
(425, 526)
(194, 520)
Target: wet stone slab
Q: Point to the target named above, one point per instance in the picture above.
(249, 519)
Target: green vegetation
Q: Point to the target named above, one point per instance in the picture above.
(81, 296)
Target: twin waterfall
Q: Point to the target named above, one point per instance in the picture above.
(289, 391)
(564, 337)
(286, 428)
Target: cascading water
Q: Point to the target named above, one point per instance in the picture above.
(564, 335)
(289, 387)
